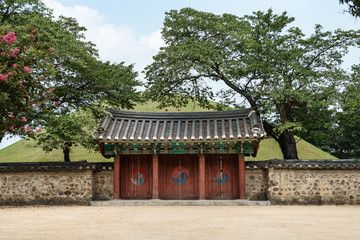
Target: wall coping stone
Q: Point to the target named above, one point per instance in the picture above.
(305, 164)
(36, 166)
(273, 164)
(315, 164)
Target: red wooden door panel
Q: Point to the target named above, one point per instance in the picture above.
(221, 176)
(178, 176)
(136, 177)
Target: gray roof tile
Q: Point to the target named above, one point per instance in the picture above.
(180, 126)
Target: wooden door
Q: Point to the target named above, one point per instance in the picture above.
(136, 177)
(178, 176)
(221, 176)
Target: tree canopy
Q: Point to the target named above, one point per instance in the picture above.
(81, 79)
(260, 59)
(25, 83)
(353, 7)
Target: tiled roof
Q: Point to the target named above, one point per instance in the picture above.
(179, 126)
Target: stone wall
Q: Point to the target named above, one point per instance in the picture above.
(256, 184)
(103, 185)
(46, 187)
(314, 186)
(55, 183)
(280, 181)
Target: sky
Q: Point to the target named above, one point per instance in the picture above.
(130, 31)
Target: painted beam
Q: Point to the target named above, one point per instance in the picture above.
(112, 149)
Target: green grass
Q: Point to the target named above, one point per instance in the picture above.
(269, 149)
(152, 107)
(26, 150)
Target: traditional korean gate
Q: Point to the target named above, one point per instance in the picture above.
(136, 177)
(221, 176)
(178, 176)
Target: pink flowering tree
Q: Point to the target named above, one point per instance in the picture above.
(82, 81)
(26, 75)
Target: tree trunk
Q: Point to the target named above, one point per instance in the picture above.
(287, 144)
(286, 139)
(66, 152)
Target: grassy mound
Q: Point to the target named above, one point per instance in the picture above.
(27, 151)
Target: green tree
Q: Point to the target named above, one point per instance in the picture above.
(345, 142)
(82, 80)
(67, 131)
(290, 79)
(354, 6)
(25, 83)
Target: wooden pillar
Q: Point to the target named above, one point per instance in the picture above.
(242, 177)
(202, 181)
(155, 177)
(116, 177)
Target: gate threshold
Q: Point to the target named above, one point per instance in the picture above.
(156, 202)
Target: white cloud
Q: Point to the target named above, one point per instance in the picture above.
(115, 43)
(83, 14)
(154, 40)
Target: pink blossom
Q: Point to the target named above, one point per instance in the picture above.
(50, 90)
(11, 116)
(9, 38)
(51, 49)
(25, 47)
(23, 119)
(58, 102)
(11, 128)
(28, 69)
(14, 52)
(28, 101)
(14, 65)
(3, 77)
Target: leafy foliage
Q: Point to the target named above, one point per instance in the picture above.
(81, 80)
(71, 129)
(290, 79)
(25, 83)
(345, 142)
(354, 6)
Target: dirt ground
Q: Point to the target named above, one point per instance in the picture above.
(180, 222)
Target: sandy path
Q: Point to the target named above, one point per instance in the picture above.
(274, 222)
